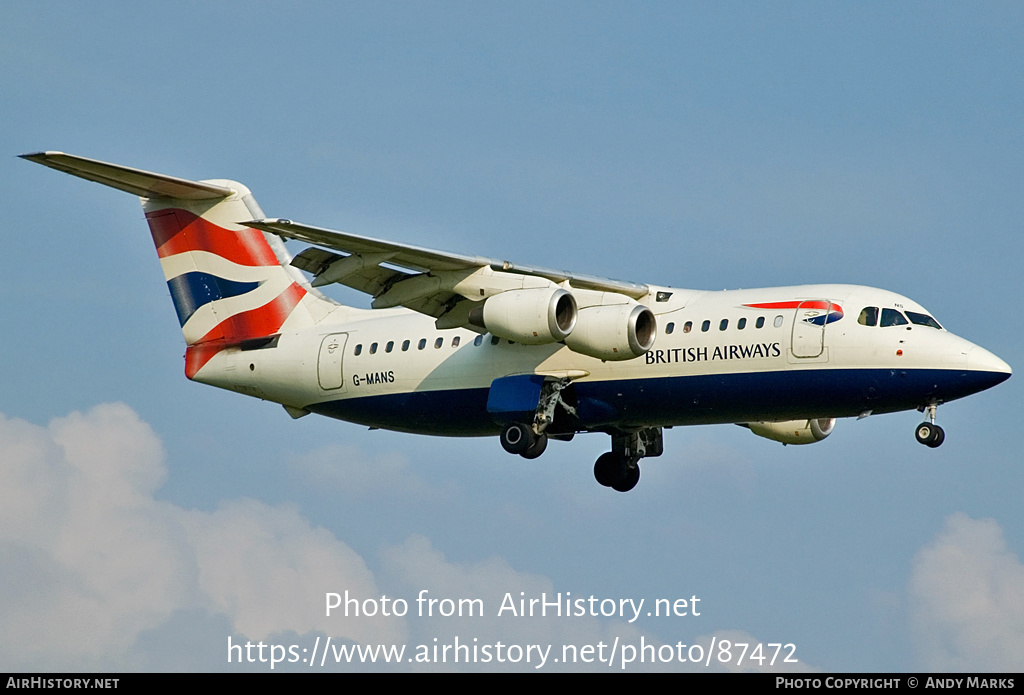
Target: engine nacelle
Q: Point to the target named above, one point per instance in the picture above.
(615, 332)
(794, 431)
(533, 317)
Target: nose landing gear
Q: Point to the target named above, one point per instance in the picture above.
(928, 433)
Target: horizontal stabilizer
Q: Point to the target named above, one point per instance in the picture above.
(145, 184)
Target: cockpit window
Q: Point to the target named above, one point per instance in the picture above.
(891, 317)
(923, 320)
(868, 316)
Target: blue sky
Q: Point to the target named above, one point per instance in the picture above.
(144, 518)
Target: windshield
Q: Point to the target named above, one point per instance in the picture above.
(891, 317)
(923, 320)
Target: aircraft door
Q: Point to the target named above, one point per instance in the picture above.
(329, 365)
(809, 323)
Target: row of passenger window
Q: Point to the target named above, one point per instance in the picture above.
(892, 317)
(422, 344)
(494, 340)
(868, 317)
(723, 325)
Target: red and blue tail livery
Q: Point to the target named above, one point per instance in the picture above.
(227, 283)
(464, 345)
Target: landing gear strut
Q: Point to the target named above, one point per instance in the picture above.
(619, 469)
(529, 440)
(928, 433)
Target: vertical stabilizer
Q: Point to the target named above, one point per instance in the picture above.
(229, 283)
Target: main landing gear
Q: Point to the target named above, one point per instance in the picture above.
(519, 438)
(619, 469)
(530, 440)
(928, 433)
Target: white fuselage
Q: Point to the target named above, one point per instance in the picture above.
(557, 353)
(718, 357)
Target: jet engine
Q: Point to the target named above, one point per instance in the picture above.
(533, 316)
(614, 332)
(794, 431)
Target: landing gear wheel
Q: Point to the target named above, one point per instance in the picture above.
(930, 434)
(610, 469)
(923, 433)
(517, 437)
(631, 479)
(540, 443)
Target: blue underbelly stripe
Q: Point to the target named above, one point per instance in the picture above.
(683, 400)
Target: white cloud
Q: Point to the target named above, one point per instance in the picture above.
(92, 560)
(416, 565)
(269, 570)
(104, 557)
(99, 574)
(967, 599)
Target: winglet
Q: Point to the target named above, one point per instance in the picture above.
(145, 184)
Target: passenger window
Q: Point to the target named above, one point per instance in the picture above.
(705, 327)
(455, 342)
(741, 324)
(688, 326)
(669, 328)
(723, 325)
(359, 349)
(778, 322)
(422, 344)
(868, 316)
(373, 348)
(923, 320)
(405, 345)
(760, 322)
(478, 341)
(438, 343)
(495, 340)
(891, 317)
(390, 346)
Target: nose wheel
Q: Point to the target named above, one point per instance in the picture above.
(928, 433)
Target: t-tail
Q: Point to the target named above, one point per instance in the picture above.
(230, 284)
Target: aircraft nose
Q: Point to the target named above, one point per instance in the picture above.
(981, 360)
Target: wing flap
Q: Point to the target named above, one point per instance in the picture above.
(369, 278)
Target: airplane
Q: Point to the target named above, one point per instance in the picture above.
(463, 345)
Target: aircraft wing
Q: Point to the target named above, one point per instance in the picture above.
(425, 280)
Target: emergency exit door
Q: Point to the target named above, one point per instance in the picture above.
(329, 367)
